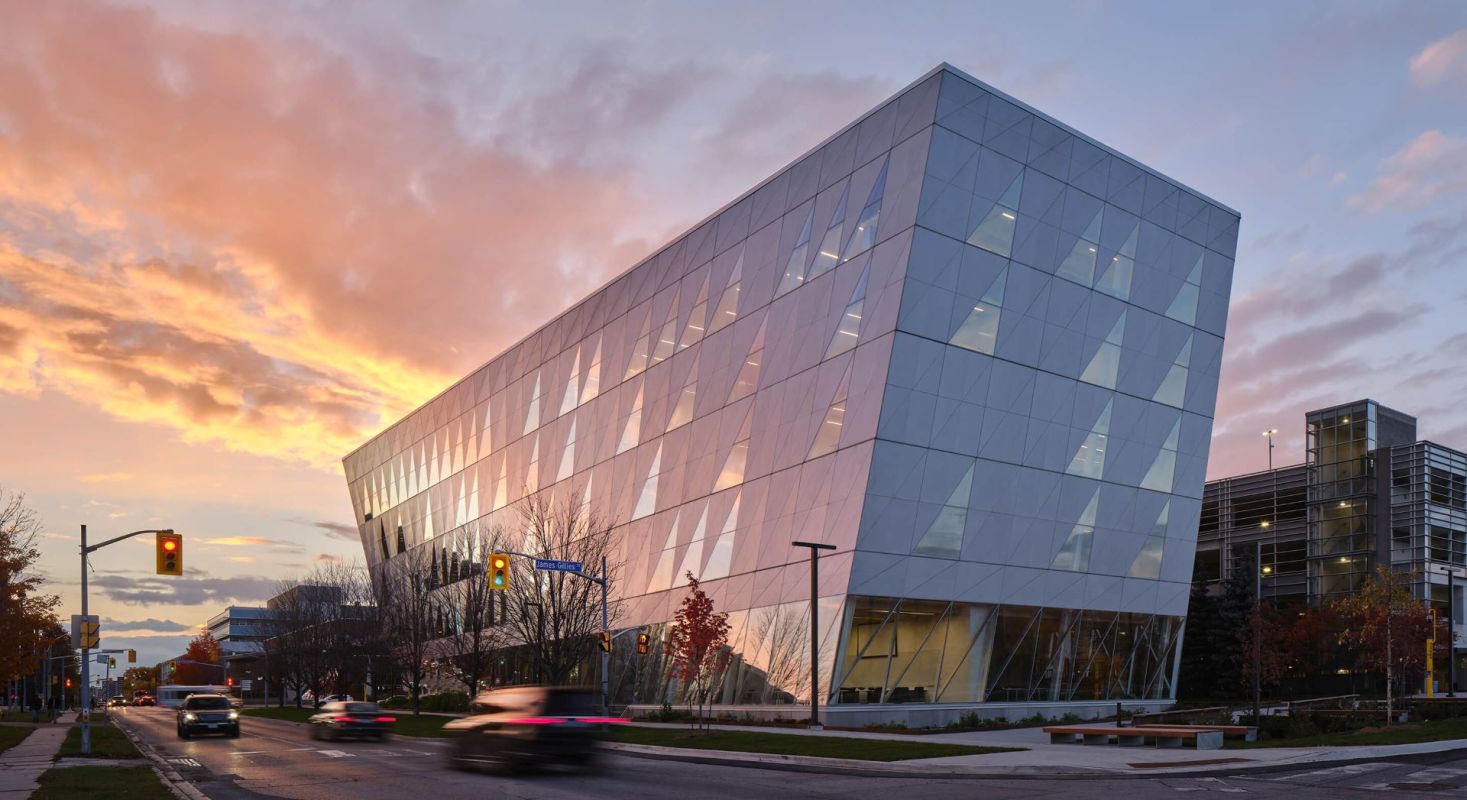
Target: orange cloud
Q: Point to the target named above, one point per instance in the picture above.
(264, 244)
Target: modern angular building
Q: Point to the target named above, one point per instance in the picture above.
(972, 348)
(1369, 493)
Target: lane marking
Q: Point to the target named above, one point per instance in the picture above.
(336, 754)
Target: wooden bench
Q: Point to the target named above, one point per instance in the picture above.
(1249, 733)
(1161, 736)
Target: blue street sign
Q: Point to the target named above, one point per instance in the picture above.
(557, 566)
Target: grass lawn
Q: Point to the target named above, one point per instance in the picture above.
(406, 725)
(1434, 731)
(112, 783)
(10, 737)
(107, 742)
(788, 744)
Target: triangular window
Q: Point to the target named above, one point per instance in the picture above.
(1184, 306)
(1148, 561)
(864, 235)
(1075, 554)
(1089, 460)
(641, 350)
(1105, 365)
(827, 438)
(1079, 265)
(631, 424)
(737, 460)
(944, 537)
(693, 558)
(1173, 388)
(979, 330)
(828, 254)
(647, 499)
(794, 270)
(721, 556)
(1115, 278)
(1164, 466)
(532, 414)
(568, 399)
(666, 342)
(592, 386)
(682, 412)
(661, 578)
(747, 381)
(532, 472)
(568, 456)
(697, 320)
(848, 332)
(995, 233)
(728, 305)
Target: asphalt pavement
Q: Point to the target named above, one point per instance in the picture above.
(278, 759)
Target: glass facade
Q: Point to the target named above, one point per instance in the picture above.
(972, 349)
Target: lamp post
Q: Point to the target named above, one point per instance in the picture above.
(815, 549)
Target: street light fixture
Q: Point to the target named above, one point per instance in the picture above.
(815, 548)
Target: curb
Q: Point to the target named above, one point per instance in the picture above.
(877, 769)
(176, 783)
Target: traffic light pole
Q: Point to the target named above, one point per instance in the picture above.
(86, 666)
(605, 621)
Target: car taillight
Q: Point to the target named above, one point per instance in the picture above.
(387, 719)
(341, 718)
(535, 721)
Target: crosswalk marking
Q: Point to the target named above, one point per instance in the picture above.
(1338, 772)
(1436, 775)
(336, 754)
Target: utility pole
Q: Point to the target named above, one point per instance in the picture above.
(815, 549)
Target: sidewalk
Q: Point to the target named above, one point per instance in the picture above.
(22, 764)
(1040, 758)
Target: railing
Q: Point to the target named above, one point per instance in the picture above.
(1344, 701)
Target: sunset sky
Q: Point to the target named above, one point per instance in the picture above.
(238, 239)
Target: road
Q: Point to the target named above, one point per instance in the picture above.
(277, 759)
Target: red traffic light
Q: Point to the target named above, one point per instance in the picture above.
(170, 545)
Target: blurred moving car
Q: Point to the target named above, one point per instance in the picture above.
(146, 700)
(342, 719)
(207, 713)
(524, 726)
(116, 701)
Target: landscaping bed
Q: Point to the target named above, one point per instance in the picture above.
(788, 744)
(12, 736)
(112, 783)
(107, 742)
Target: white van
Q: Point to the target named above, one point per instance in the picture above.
(173, 695)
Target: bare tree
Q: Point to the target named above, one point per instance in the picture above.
(411, 616)
(556, 614)
(479, 633)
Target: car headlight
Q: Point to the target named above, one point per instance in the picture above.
(189, 717)
(234, 715)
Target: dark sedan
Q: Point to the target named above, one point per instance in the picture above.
(207, 713)
(529, 726)
(341, 719)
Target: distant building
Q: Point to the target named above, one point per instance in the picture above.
(241, 632)
(1368, 493)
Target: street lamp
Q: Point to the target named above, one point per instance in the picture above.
(86, 673)
(815, 548)
(1269, 434)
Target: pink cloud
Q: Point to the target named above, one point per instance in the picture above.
(1431, 166)
(1444, 60)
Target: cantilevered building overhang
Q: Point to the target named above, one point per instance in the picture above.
(970, 347)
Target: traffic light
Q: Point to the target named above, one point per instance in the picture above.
(498, 571)
(644, 644)
(229, 681)
(132, 656)
(111, 663)
(605, 637)
(68, 683)
(170, 553)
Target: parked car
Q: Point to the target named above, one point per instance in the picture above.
(207, 713)
(522, 726)
(341, 719)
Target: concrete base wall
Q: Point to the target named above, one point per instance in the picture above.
(925, 715)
